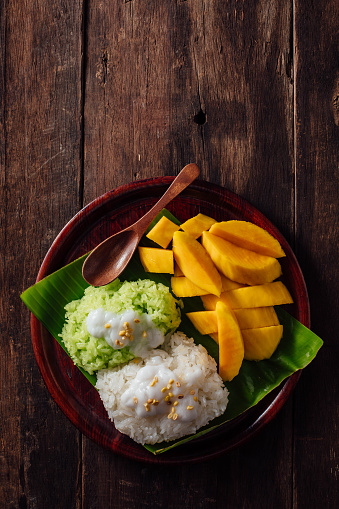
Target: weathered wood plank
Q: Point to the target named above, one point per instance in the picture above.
(40, 126)
(317, 236)
(209, 82)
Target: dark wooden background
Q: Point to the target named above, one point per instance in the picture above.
(95, 94)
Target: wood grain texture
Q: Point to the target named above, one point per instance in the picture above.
(317, 239)
(40, 178)
(98, 94)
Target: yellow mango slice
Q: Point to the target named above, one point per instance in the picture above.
(248, 318)
(162, 232)
(249, 236)
(261, 343)
(177, 270)
(209, 301)
(204, 321)
(183, 287)
(231, 345)
(239, 264)
(195, 263)
(197, 224)
(270, 294)
(228, 284)
(156, 260)
(253, 318)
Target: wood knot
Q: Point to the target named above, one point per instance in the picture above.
(200, 117)
(102, 68)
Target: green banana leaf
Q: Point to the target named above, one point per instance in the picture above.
(298, 347)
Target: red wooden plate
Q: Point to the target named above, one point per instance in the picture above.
(106, 215)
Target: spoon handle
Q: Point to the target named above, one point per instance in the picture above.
(182, 180)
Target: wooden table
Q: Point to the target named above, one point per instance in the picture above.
(98, 94)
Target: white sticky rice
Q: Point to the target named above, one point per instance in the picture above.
(187, 361)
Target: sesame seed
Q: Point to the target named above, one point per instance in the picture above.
(117, 342)
(170, 395)
(169, 386)
(180, 396)
(195, 398)
(107, 325)
(190, 407)
(136, 320)
(135, 400)
(177, 384)
(126, 324)
(173, 410)
(146, 405)
(169, 402)
(171, 381)
(170, 416)
(175, 403)
(164, 389)
(192, 392)
(122, 333)
(175, 416)
(155, 402)
(144, 334)
(150, 400)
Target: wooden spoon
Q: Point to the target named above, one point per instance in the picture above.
(108, 259)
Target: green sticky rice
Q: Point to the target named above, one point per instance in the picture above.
(142, 296)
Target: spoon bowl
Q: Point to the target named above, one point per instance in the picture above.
(108, 260)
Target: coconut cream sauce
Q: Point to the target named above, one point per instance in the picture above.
(156, 390)
(138, 332)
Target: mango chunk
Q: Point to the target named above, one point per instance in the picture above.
(197, 224)
(231, 345)
(228, 284)
(270, 294)
(156, 260)
(253, 318)
(195, 263)
(239, 264)
(204, 321)
(183, 287)
(162, 232)
(210, 301)
(177, 270)
(261, 343)
(249, 236)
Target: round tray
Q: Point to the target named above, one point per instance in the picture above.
(106, 215)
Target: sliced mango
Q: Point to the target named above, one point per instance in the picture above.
(231, 345)
(162, 232)
(197, 224)
(270, 294)
(228, 284)
(204, 321)
(249, 236)
(209, 301)
(261, 343)
(177, 270)
(195, 263)
(253, 318)
(183, 287)
(239, 264)
(156, 260)
(250, 318)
